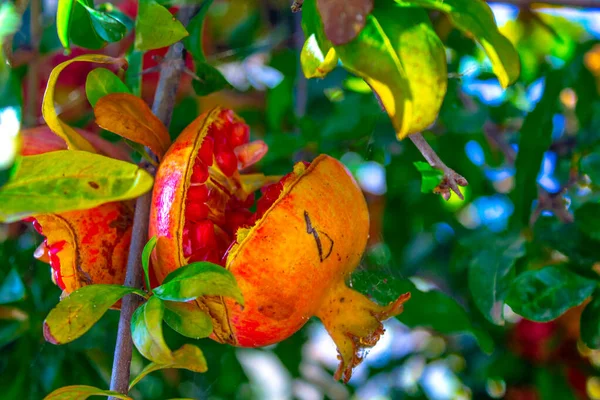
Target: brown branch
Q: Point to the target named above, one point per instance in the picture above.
(565, 3)
(164, 101)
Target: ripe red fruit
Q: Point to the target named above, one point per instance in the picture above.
(291, 258)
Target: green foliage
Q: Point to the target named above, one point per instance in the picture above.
(196, 280)
(545, 294)
(69, 180)
(82, 392)
(78, 312)
(101, 82)
(147, 334)
(430, 177)
(188, 320)
(155, 27)
(146, 253)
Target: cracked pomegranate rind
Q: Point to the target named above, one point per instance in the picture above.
(85, 246)
(291, 257)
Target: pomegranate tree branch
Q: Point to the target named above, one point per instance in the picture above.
(565, 3)
(451, 179)
(164, 100)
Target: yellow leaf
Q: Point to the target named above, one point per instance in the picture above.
(130, 117)
(74, 140)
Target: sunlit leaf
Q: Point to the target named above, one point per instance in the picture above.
(147, 332)
(82, 392)
(133, 75)
(130, 117)
(590, 323)
(74, 140)
(148, 248)
(317, 57)
(187, 319)
(211, 79)
(343, 19)
(64, 14)
(67, 180)
(409, 76)
(430, 177)
(187, 357)
(156, 27)
(193, 43)
(475, 18)
(426, 309)
(196, 280)
(545, 294)
(84, 35)
(12, 288)
(536, 137)
(490, 274)
(106, 26)
(101, 82)
(78, 312)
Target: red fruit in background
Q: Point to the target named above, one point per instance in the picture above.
(84, 246)
(291, 258)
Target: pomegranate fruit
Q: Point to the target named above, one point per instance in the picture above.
(291, 257)
(84, 246)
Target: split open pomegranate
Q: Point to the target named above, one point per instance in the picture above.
(291, 255)
(84, 246)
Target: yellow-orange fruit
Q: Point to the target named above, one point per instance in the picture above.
(291, 262)
(83, 246)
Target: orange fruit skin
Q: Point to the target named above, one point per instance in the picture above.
(96, 240)
(283, 272)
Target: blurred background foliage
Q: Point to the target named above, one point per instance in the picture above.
(523, 246)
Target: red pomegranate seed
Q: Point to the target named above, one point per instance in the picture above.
(202, 235)
(205, 254)
(227, 116)
(199, 172)
(205, 154)
(58, 279)
(186, 242)
(250, 153)
(35, 223)
(226, 160)
(249, 202)
(196, 211)
(236, 219)
(197, 194)
(272, 192)
(239, 134)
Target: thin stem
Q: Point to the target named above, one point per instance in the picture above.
(164, 101)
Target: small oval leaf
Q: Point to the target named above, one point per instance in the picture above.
(148, 248)
(545, 294)
(63, 22)
(156, 27)
(78, 312)
(188, 320)
(66, 180)
(147, 333)
(196, 280)
(130, 117)
(187, 357)
(74, 140)
(101, 82)
(82, 392)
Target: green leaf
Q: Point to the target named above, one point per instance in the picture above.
(211, 79)
(590, 165)
(318, 57)
(146, 259)
(430, 177)
(545, 294)
(491, 273)
(187, 357)
(64, 13)
(107, 27)
(156, 27)
(12, 288)
(79, 311)
(193, 43)
(590, 323)
(147, 333)
(475, 18)
(133, 75)
(101, 82)
(82, 392)
(196, 280)
(536, 137)
(69, 180)
(83, 33)
(188, 320)
(10, 20)
(410, 75)
(587, 218)
(426, 309)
